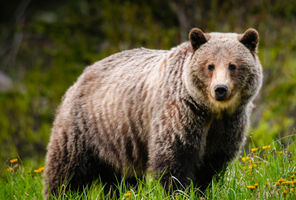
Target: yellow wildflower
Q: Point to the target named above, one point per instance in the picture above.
(281, 152)
(292, 176)
(256, 184)
(245, 158)
(10, 169)
(13, 160)
(250, 161)
(254, 165)
(281, 180)
(288, 182)
(277, 183)
(254, 149)
(292, 190)
(285, 191)
(251, 187)
(266, 147)
(294, 181)
(266, 183)
(41, 169)
(127, 194)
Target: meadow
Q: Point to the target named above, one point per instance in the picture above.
(266, 172)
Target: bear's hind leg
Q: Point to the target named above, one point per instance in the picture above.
(68, 167)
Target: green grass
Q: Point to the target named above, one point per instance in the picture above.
(262, 169)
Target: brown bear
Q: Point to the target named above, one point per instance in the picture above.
(182, 112)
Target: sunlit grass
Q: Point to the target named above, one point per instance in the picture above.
(267, 172)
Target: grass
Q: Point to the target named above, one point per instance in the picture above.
(267, 172)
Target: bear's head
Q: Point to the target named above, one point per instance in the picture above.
(224, 71)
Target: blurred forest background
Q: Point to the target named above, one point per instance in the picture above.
(45, 45)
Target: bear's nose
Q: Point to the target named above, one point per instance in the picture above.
(221, 92)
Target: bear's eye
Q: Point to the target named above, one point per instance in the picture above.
(232, 67)
(211, 67)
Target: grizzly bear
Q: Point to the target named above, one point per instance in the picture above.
(179, 113)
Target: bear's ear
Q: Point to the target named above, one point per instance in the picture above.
(250, 39)
(197, 38)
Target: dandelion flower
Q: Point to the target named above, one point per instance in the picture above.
(285, 191)
(127, 194)
(41, 169)
(277, 183)
(251, 187)
(266, 147)
(256, 184)
(292, 176)
(245, 158)
(281, 152)
(292, 190)
(13, 160)
(10, 169)
(281, 180)
(254, 149)
(267, 183)
(254, 165)
(250, 161)
(288, 182)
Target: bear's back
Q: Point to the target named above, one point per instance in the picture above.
(127, 64)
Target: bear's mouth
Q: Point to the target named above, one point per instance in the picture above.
(229, 103)
(221, 98)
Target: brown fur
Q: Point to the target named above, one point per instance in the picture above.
(152, 110)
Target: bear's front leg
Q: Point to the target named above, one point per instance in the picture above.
(177, 143)
(174, 160)
(173, 167)
(224, 140)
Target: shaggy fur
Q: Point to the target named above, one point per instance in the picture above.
(153, 110)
